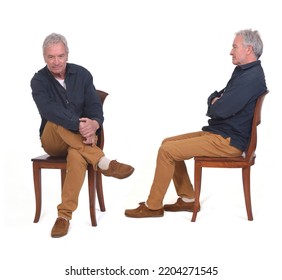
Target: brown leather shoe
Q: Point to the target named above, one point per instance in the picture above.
(118, 170)
(143, 212)
(60, 227)
(179, 205)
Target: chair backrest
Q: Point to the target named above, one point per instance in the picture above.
(250, 152)
(102, 95)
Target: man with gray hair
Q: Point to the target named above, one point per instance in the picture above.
(226, 135)
(71, 119)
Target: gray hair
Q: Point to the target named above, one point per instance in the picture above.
(55, 38)
(252, 38)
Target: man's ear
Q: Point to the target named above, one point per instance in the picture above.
(250, 49)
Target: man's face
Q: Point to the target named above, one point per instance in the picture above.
(56, 59)
(239, 52)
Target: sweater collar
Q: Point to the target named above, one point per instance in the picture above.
(249, 65)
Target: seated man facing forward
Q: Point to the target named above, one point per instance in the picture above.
(72, 116)
(227, 134)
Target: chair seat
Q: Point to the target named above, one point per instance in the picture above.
(51, 159)
(227, 162)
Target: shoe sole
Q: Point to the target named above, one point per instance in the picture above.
(58, 236)
(182, 210)
(144, 216)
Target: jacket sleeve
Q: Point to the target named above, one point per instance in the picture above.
(235, 97)
(92, 107)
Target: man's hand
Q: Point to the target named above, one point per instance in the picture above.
(91, 140)
(88, 128)
(215, 99)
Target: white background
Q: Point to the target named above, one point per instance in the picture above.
(158, 60)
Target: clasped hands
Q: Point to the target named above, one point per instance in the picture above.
(87, 129)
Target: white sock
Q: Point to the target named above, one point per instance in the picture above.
(186, 199)
(104, 163)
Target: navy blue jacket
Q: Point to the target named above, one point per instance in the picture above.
(232, 114)
(65, 106)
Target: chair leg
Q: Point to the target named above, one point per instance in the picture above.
(37, 190)
(246, 174)
(63, 176)
(91, 190)
(99, 189)
(197, 189)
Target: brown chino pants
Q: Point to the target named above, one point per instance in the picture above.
(171, 166)
(58, 141)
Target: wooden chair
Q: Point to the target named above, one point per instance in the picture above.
(245, 162)
(94, 177)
